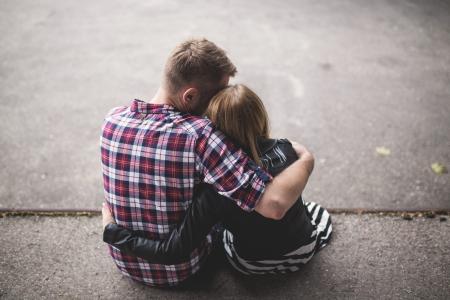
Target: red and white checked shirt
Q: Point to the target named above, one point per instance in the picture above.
(152, 157)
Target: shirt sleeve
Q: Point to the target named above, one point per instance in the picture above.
(229, 170)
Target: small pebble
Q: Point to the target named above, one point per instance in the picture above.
(430, 215)
(407, 217)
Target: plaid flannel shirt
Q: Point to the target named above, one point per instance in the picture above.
(152, 157)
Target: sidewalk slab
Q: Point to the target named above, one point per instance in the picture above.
(370, 257)
(340, 77)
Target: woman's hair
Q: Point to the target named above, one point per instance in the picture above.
(240, 114)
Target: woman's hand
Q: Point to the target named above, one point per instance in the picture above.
(107, 216)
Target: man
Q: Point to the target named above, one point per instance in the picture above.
(155, 153)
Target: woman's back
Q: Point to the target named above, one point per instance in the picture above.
(257, 237)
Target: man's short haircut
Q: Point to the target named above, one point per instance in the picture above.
(197, 61)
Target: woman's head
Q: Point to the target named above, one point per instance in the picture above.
(240, 114)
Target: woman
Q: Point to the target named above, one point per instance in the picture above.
(253, 244)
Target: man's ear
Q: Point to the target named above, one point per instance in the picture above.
(190, 95)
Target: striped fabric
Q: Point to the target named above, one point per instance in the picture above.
(290, 262)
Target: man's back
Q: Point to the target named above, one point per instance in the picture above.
(152, 157)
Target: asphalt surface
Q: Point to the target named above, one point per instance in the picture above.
(370, 257)
(343, 78)
(340, 77)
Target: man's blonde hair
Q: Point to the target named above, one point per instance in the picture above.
(239, 113)
(197, 61)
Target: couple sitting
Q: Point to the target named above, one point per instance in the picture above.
(177, 183)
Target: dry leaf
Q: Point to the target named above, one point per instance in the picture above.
(438, 168)
(383, 151)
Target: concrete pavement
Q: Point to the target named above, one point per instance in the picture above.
(370, 257)
(341, 77)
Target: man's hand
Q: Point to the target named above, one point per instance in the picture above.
(285, 188)
(299, 149)
(304, 155)
(107, 216)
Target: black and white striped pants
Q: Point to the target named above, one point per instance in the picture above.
(289, 262)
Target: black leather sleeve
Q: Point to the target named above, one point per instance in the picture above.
(207, 209)
(290, 156)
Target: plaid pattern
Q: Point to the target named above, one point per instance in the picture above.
(152, 157)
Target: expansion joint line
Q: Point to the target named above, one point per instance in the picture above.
(23, 212)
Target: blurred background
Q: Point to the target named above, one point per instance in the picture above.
(345, 78)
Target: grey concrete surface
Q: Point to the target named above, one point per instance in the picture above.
(342, 77)
(370, 257)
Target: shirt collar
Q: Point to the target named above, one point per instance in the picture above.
(150, 108)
